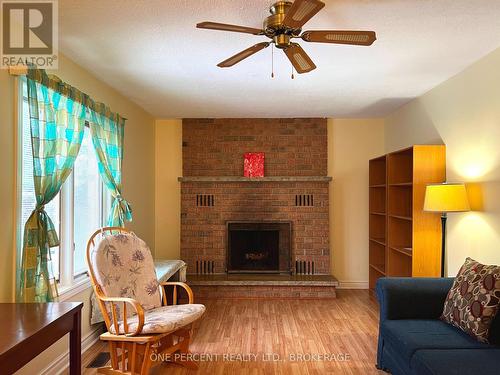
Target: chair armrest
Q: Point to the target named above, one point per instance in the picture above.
(137, 307)
(412, 298)
(175, 284)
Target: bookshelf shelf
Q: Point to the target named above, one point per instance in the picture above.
(380, 241)
(403, 250)
(403, 184)
(378, 268)
(409, 218)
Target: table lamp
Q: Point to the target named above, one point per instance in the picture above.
(445, 198)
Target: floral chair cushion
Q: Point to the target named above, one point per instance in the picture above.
(166, 270)
(163, 319)
(124, 267)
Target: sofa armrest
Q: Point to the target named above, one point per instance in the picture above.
(412, 298)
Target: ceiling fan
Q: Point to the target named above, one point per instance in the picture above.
(285, 24)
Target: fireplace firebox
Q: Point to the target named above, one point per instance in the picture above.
(262, 247)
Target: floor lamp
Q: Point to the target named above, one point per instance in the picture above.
(445, 198)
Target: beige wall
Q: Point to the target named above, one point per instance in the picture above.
(138, 179)
(351, 143)
(7, 185)
(464, 114)
(168, 166)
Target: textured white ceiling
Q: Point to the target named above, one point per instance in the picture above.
(151, 52)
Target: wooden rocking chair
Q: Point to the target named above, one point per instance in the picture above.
(122, 274)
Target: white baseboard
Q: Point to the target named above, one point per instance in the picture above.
(353, 285)
(61, 363)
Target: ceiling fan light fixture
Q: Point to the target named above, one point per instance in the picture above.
(282, 41)
(285, 23)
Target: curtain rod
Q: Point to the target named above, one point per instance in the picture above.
(18, 70)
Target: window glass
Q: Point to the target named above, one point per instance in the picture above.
(87, 200)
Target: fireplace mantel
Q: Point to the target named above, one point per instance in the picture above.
(255, 179)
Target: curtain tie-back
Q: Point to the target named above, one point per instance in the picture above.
(124, 208)
(48, 234)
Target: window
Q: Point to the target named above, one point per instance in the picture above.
(87, 192)
(77, 211)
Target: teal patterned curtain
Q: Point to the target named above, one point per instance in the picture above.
(58, 113)
(57, 124)
(107, 136)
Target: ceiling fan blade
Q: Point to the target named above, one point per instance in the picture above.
(243, 55)
(299, 59)
(300, 12)
(359, 38)
(227, 27)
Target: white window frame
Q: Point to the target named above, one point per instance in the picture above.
(68, 283)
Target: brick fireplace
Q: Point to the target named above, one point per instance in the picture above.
(278, 223)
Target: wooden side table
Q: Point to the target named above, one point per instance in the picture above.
(30, 328)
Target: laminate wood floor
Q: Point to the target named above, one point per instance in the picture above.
(273, 336)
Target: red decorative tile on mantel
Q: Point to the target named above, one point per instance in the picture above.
(253, 164)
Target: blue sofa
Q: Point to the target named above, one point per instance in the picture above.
(412, 339)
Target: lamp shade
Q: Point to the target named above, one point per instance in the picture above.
(446, 198)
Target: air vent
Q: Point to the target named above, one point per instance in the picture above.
(205, 200)
(304, 200)
(303, 267)
(204, 267)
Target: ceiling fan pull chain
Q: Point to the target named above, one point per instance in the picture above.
(272, 60)
(293, 77)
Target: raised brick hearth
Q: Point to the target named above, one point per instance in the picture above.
(263, 286)
(295, 189)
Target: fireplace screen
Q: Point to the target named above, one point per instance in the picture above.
(258, 247)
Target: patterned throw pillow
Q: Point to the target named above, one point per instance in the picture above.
(474, 298)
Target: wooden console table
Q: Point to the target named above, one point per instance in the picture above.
(30, 328)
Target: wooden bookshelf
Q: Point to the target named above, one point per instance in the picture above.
(378, 218)
(403, 239)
